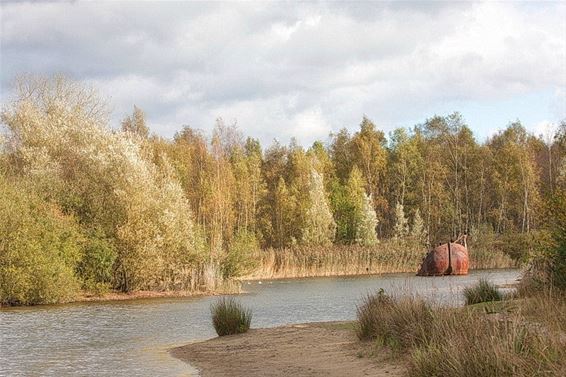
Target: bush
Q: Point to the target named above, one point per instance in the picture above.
(399, 323)
(483, 291)
(39, 249)
(239, 259)
(230, 317)
(95, 267)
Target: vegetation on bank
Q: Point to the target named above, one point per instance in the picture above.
(91, 208)
(466, 342)
(230, 317)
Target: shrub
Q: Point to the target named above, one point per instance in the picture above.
(239, 259)
(95, 267)
(39, 249)
(230, 317)
(483, 291)
(400, 323)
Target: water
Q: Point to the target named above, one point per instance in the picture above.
(132, 338)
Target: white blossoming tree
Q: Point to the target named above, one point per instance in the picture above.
(367, 223)
(320, 227)
(418, 231)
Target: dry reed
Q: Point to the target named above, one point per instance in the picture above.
(390, 256)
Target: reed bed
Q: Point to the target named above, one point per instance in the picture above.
(485, 257)
(390, 256)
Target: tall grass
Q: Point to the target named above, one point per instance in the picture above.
(230, 317)
(471, 344)
(483, 291)
(461, 342)
(388, 256)
(399, 323)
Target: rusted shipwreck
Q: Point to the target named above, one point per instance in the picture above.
(446, 259)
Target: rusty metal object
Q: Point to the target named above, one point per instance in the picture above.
(446, 259)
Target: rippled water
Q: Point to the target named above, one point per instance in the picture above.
(132, 338)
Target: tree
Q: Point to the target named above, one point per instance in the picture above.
(366, 228)
(401, 229)
(515, 180)
(418, 233)
(283, 216)
(370, 155)
(135, 124)
(320, 227)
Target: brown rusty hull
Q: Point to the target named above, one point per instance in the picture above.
(436, 261)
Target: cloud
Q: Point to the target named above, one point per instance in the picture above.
(281, 69)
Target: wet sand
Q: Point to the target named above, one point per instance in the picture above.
(318, 349)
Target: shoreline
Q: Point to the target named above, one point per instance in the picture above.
(142, 295)
(310, 349)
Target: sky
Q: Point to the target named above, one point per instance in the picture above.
(299, 69)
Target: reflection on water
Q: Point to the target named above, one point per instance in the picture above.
(132, 338)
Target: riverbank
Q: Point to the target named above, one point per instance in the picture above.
(314, 349)
(236, 287)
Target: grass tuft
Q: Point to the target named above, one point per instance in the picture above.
(483, 291)
(230, 317)
(399, 323)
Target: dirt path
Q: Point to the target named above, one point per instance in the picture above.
(298, 350)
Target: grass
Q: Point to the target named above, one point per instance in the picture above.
(483, 291)
(399, 323)
(519, 340)
(230, 317)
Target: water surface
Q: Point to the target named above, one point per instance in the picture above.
(131, 338)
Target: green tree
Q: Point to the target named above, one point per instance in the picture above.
(370, 155)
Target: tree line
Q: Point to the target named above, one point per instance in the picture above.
(87, 206)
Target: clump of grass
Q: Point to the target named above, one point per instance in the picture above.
(399, 323)
(230, 317)
(483, 291)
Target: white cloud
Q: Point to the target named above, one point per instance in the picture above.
(300, 69)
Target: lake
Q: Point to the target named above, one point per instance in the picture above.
(132, 338)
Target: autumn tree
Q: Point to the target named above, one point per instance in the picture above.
(136, 124)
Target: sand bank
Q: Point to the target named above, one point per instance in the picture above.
(318, 349)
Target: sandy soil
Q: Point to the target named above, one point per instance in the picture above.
(298, 350)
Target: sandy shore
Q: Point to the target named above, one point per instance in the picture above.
(323, 349)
